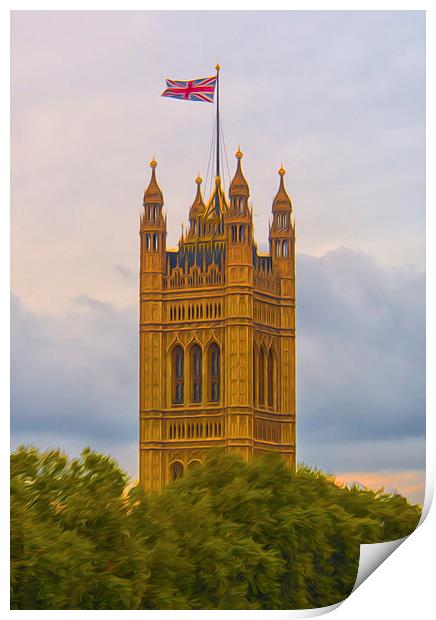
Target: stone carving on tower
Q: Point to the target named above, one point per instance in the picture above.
(217, 332)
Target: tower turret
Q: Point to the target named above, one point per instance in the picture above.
(153, 232)
(239, 222)
(239, 191)
(197, 211)
(281, 234)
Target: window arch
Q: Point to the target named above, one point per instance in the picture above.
(178, 375)
(285, 249)
(155, 242)
(234, 237)
(262, 367)
(176, 470)
(255, 375)
(277, 249)
(196, 374)
(214, 373)
(271, 377)
(194, 463)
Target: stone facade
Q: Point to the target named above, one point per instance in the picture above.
(217, 333)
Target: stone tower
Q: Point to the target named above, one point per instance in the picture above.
(217, 332)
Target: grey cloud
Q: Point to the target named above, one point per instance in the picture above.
(126, 274)
(371, 455)
(74, 374)
(361, 349)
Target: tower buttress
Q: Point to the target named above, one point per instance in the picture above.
(282, 249)
(151, 367)
(238, 226)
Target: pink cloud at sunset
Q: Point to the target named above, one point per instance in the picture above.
(411, 483)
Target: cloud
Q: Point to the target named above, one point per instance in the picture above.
(339, 97)
(373, 455)
(126, 274)
(361, 369)
(361, 349)
(74, 375)
(411, 483)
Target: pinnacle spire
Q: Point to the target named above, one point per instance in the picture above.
(239, 185)
(198, 207)
(282, 197)
(217, 205)
(153, 194)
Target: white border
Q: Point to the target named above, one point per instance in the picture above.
(402, 586)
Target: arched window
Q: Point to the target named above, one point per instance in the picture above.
(277, 249)
(148, 242)
(176, 470)
(196, 374)
(270, 379)
(194, 463)
(233, 233)
(255, 371)
(262, 364)
(178, 364)
(214, 373)
(242, 233)
(155, 241)
(285, 249)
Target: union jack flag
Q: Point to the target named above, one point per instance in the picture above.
(202, 89)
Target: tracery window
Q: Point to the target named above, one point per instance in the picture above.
(214, 373)
(277, 249)
(176, 470)
(285, 249)
(262, 364)
(255, 375)
(270, 379)
(178, 370)
(196, 374)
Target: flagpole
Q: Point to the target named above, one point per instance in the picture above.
(217, 120)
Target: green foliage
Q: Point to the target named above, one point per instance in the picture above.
(227, 535)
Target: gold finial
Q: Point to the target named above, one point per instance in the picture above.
(282, 171)
(153, 163)
(198, 180)
(239, 154)
(217, 67)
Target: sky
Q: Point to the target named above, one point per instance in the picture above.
(338, 98)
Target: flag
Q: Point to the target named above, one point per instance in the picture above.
(202, 89)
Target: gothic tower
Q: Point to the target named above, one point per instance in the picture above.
(217, 332)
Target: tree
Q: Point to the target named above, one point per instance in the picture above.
(226, 535)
